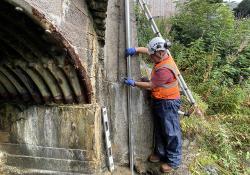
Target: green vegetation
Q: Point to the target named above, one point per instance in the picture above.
(212, 50)
(223, 141)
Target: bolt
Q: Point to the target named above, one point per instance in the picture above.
(47, 31)
(19, 9)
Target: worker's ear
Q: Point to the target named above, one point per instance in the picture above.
(167, 44)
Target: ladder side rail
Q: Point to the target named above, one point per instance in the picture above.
(147, 16)
(150, 18)
(152, 21)
(183, 85)
(187, 90)
(182, 88)
(153, 24)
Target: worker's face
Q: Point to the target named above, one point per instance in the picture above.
(156, 56)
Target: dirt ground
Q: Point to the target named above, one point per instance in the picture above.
(142, 167)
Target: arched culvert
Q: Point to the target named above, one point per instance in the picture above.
(37, 64)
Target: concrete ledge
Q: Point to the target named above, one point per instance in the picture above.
(47, 172)
(46, 152)
(42, 163)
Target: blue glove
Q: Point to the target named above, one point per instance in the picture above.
(130, 51)
(129, 82)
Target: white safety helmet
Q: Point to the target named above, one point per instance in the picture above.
(157, 44)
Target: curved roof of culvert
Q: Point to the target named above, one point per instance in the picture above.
(34, 66)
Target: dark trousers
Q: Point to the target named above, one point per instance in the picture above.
(167, 136)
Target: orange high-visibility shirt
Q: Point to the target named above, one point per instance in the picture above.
(169, 90)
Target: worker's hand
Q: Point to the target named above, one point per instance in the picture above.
(130, 51)
(129, 82)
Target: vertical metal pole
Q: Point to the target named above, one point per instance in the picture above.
(130, 121)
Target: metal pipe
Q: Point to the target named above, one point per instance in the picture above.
(130, 123)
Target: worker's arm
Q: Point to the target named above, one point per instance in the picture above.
(140, 84)
(142, 50)
(135, 50)
(144, 85)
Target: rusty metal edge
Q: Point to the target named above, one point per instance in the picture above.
(41, 19)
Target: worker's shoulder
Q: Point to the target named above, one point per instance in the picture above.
(163, 69)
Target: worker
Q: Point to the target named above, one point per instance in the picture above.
(165, 103)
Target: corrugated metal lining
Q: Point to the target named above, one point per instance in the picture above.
(34, 68)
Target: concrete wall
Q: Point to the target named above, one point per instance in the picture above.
(163, 8)
(55, 126)
(57, 138)
(105, 66)
(115, 93)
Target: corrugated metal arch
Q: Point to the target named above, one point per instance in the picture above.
(37, 64)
